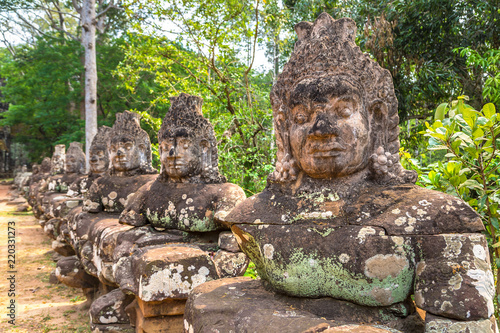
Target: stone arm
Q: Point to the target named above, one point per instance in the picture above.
(93, 201)
(231, 196)
(454, 283)
(78, 187)
(134, 213)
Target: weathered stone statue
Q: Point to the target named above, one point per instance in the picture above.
(341, 220)
(98, 161)
(58, 160)
(37, 182)
(130, 154)
(184, 205)
(190, 194)
(58, 185)
(69, 205)
(70, 271)
(94, 232)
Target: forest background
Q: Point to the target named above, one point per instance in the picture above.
(443, 55)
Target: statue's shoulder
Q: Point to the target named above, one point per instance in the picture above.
(230, 189)
(411, 209)
(265, 207)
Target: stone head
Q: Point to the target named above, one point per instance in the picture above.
(58, 161)
(35, 168)
(75, 158)
(129, 145)
(334, 108)
(187, 144)
(45, 166)
(98, 152)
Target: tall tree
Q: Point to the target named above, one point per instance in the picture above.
(90, 19)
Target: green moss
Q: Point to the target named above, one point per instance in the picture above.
(200, 225)
(324, 232)
(320, 197)
(314, 275)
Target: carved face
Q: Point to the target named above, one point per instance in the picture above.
(180, 156)
(71, 164)
(124, 154)
(99, 162)
(329, 134)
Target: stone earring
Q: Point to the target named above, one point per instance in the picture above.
(382, 164)
(287, 169)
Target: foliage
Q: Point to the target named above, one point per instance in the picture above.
(251, 271)
(211, 56)
(471, 142)
(43, 89)
(489, 70)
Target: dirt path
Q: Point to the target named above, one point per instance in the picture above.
(41, 306)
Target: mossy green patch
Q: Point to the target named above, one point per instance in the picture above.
(316, 275)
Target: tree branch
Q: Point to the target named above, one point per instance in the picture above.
(7, 44)
(417, 116)
(110, 5)
(77, 7)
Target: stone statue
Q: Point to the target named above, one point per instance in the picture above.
(68, 206)
(58, 160)
(98, 161)
(341, 218)
(57, 184)
(190, 194)
(37, 182)
(129, 150)
(177, 242)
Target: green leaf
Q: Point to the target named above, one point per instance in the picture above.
(441, 111)
(489, 110)
(471, 184)
(478, 133)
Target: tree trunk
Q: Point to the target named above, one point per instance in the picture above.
(88, 17)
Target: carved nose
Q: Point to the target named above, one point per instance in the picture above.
(171, 152)
(323, 127)
(120, 152)
(93, 159)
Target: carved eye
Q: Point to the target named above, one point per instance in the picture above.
(112, 148)
(346, 112)
(128, 146)
(300, 118)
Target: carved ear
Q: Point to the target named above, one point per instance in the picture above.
(379, 111)
(379, 118)
(206, 155)
(142, 146)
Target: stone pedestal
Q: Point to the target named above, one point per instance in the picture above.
(158, 317)
(244, 305)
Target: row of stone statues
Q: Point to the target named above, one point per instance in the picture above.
(341, 237)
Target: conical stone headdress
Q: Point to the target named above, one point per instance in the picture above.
(127, 126)
(326, 48)
(58, 160)
(75, 149)
(185, 114)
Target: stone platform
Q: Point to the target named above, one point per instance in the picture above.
(244, 305)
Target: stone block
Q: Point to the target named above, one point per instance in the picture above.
(110, 308)
(230, 264)
(169, 271)
(168, 307)
(228, 242)
(160, 324)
